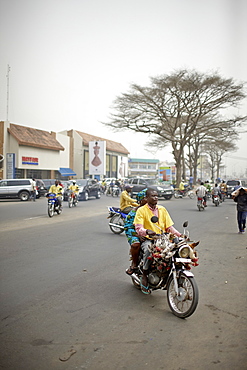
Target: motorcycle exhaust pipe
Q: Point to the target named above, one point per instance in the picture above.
(115, 225)
(136, 278)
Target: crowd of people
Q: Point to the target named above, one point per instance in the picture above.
(138, 226)
(139, 229)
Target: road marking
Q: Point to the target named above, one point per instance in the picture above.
(32, 218)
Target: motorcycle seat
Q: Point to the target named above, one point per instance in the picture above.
(116, 209)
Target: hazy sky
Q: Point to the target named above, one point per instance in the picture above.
(69, 59)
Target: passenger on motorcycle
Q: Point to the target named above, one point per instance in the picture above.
(223, 188)
(129, 229)
(74, 188)
(145, 228)
(58, 190)
(216, 191)
(182, 187)
(126, 202)
(201, 192)
(208, 187)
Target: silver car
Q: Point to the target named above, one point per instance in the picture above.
(16, 188)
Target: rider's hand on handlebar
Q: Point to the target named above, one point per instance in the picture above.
(184, 236)
(150, 232)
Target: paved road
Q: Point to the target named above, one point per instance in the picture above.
(64, 290)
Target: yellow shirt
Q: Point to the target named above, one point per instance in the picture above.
(144, 214)
(126, 200)
(181, 186)
(56, 189)
(74, 188)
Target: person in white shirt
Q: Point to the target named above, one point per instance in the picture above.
(33, 191)
(201, 192)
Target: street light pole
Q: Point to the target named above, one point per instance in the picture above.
(8, 70)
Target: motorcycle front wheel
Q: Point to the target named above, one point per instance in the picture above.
(177, 194)
(50, 210)
(70, 202)
(184, 304)
(117, 220)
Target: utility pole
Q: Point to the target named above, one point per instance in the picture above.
(8, 70)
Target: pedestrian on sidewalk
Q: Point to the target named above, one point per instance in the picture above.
(33, 191)
(240, 197)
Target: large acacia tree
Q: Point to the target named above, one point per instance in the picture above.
(176, 108)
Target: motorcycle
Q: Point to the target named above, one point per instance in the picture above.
(200, 204)
(183, 193)
(216, 200)
(72, 200)
(115, 191)
(171, 260)
(117, 218)
(53, 205)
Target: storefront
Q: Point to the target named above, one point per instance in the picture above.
(29, 152)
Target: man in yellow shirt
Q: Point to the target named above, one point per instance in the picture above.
(58, 190)
(126, 202)
(74, 188)
(146, 228)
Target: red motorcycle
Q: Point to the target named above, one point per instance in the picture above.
(72, 199)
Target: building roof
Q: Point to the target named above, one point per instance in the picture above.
(32, 137)
(110, 145)
(139, 160)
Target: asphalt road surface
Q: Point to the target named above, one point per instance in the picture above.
(66, 302)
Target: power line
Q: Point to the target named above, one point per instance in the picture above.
(7, 115)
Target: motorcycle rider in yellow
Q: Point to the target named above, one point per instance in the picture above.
(145, 228)
(74, 188)
(58, 190)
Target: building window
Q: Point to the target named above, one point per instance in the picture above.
(114, 166)
(108, 167)
(86, 164)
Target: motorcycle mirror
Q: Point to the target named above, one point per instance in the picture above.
(185, 224)
(154, 219)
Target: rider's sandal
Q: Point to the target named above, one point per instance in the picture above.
(131, 270)
(147, 290)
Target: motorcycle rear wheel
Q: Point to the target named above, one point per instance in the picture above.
(116, 219)
(185, 305)
(59, 210)
(177, 194)
(50, 210)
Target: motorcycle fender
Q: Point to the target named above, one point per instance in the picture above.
(188, 273)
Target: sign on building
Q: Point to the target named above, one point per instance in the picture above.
(167, 173)
(97, 156)
(10, 160)
(30, 160)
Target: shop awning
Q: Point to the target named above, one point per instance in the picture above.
(66, 171)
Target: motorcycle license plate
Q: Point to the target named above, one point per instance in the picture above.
(183, 260)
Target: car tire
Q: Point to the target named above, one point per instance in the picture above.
(167, 197)
(24, 196)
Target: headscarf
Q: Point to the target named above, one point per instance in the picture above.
(141, 195)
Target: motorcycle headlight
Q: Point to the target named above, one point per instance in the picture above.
(184, 251)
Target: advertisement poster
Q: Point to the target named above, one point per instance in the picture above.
(167, 173)
(10, 165)
(97, 155)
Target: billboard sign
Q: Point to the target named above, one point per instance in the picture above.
(97, 157)
(10, 160)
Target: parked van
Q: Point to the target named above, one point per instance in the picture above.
(232, 183)
(16, 188)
